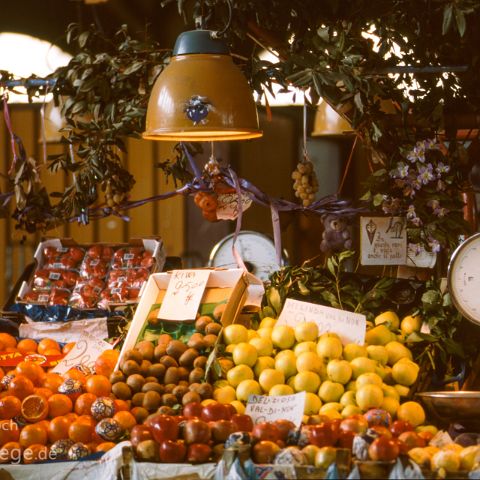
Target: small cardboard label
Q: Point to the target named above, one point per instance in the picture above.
(184, 294)
(58, 265)
(349, 326)
(86, 350)
(383, 241)
(54, 276)
(268, 408)
(227, 205)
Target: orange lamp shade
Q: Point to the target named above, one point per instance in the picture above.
(329, 122)
(201, 95)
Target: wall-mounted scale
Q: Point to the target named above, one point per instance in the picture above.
(257, 251)
(464, 278)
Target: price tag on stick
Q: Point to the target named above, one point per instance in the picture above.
(184, 294)
(349, 326)
(86, 350)
(268, 408)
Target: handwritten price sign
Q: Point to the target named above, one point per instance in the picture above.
(263, 408)
(184, 294)
(349, 326)
(85, 352)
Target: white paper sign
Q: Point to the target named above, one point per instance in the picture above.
(441, 439)
(383, 241)
(227, 205)
(349, 326)
(418, 257)
(184, 294)
(268, 408)
(65, 332)
(86, 350)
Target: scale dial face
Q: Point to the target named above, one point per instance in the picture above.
(257, 251)
(464, 278)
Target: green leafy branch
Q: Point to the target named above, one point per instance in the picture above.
(451, 339)
(331, 286)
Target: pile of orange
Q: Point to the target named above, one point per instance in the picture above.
(46, 346)
(32, 396)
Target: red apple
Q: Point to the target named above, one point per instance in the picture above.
(345, 439)
(179, 419)
(426, 436)
(242, 422)
(231, 409)
(147, 450)
(192, 410)
(409, 440)
(400, 426)
(164, 427)
(196, 431)
(172, 452)
(383, 449)
(281, 443)
(198, 453)
(284, 426)
(335, 426)
(381, 431)
(321, 435)
(221, 430)
(266, 431)
(317, 419)
(356, 425)
(215, 411)
(139, 433)
(265, 451)
(217, 452)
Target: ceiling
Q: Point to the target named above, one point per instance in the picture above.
(49, 19)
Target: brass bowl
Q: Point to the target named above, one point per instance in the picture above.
(449, 407)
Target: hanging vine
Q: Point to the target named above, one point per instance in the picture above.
(395, 70)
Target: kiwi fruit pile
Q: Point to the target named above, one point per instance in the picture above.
(169, 374)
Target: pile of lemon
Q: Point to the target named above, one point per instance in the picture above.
(339, 380)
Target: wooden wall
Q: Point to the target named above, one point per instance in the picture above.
(267, 162)
(166, 218)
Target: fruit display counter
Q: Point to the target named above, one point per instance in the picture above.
(235, 392)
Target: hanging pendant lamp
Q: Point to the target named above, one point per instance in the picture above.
(201, 95)
(329, 123)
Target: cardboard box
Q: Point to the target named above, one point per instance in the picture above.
(153, 245)
(235, 288)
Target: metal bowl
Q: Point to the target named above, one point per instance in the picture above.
(449, 407)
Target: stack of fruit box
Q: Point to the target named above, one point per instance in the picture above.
(234, 288)
(152, 245)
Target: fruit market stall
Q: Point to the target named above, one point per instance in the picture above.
(255, 385)
(361, 361)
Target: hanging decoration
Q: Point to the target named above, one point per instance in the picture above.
(305, 179)
(346, 59)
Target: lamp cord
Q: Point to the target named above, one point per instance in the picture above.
(305, 152)
(222, 32)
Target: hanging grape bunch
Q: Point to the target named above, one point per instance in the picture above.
(305, 182)
(113, 197)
